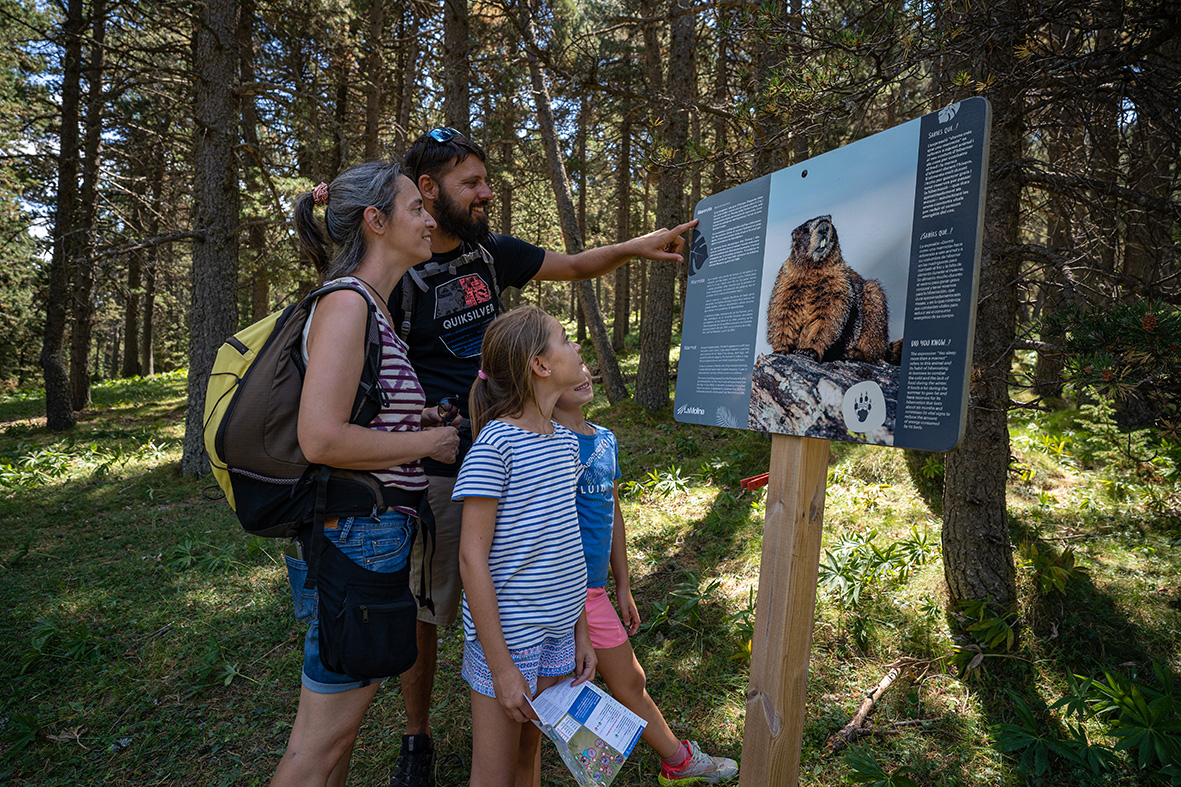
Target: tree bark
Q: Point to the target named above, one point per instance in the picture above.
(622, 233)
(147, 354)
(373, 73)
(768, 128)
(652, 378)
(82, 300)
(408, 74)
(214, 312)
(456, 65)
(580, 157)
(340, 113)
(719, 178)
(608, 363)
(59, 414)
(153, 254)
(252, 164)
(131, 314)
(977, 551)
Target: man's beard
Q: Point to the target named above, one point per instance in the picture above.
(458, 221)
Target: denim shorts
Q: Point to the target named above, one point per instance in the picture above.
(379, 544)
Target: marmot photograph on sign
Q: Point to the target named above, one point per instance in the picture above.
(835, 270)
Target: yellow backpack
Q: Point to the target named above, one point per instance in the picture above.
(251, 418)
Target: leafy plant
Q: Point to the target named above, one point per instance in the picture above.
(50, 639)
(743, 622)
(1030, 737)
(1076, 702)
(913, 551)
(667, 483)
(21, 731)
(194, 553)
(867, 770)
(990, 628)
(1052, 571)
(1146, 720)
(1095, 757)
(680, 607)
(215, 668)
(933, 468)
(854, 563)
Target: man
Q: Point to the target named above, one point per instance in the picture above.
(441, 309)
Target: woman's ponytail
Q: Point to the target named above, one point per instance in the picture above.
(311, 237)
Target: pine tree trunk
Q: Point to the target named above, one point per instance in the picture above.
(147, 355)
(608, 363)
(131, 314)
(147, 358)
(214, 312)
(977, 551)
(256, 234)
(373, 75)
(767, 127)
(456, 65)
(719, 177)
(59, 413)
(408, 72)
(82, 301)
(652, 379)
(622, 233)
(340, 114)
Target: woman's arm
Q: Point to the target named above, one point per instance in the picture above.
(628, 612)
(475, 543)
(336, 355)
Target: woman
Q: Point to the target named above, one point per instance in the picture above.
(374, 216)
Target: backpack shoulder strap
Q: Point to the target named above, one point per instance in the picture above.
(408, 285)
(487, 255)
(371, 397)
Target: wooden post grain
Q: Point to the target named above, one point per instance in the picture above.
(785, 610)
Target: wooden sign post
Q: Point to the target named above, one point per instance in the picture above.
(784, 612)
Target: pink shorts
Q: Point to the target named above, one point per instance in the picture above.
(606, 629)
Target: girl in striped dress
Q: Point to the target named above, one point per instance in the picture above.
(520, 552)
(374, 216)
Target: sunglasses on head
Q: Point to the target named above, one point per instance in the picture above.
(440, 135)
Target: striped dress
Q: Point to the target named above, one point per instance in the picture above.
(404, 396)
(536, 558)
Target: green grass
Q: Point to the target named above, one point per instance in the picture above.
(147, 640)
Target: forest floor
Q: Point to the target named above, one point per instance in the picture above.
(148, 641)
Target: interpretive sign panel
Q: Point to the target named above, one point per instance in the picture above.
(836, 298)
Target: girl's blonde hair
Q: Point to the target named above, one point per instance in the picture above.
(511, 343)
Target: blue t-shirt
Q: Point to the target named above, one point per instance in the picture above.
(536, 554)
(598, 464)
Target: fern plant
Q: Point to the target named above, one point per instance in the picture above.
(867, 770)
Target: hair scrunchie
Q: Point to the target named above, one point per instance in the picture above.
(481, 375)
(320, 194)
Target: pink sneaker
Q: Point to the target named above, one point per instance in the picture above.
(699, 768)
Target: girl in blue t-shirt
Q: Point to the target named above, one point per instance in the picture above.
(604, 544)
(520, 553)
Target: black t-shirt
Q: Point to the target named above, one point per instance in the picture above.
(450, 317)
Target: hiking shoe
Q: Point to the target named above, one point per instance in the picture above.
(699, 768)
(416, 762)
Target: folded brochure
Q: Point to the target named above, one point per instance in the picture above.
(594, 734)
